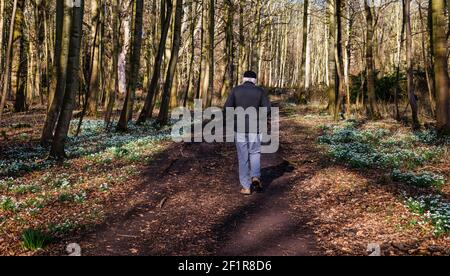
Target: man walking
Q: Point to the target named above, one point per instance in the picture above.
(248, 138)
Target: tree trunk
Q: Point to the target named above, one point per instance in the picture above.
(426, 63)
(71, 88)
(56, 62)
(401, 31)
(241, 43)
(64, 28)
(123, 53)
(372, 108)
(190, 86)
(20, 58)
(227, 80)
(7, 72)
(440, 53)
(348, 56)
(308, 53)
(173, 102)
(94, 82)
(127, 109)
(339, 59)
(47, 55)
(2, 22)
(115, 63)
(198, 91)
(166, 15)
(302, 77)
(164, 110)
(409, 74)
(204, 72)
(211, 53)
(332, 69)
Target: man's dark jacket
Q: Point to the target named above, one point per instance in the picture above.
(245, 96)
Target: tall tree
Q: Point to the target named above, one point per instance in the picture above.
(440, 53)
(94, 82)
(332, 69)
(348, 56)
(241, 42)
(71, 88)
(302, 77)
(409, 74)
(20, 58)
(7, 72)
(188, 94)
(339, 58)
(63, 29)
(205, 55)
(166, 15)
(372, 108)
(426, 61)
(59, 18)
(211, 29)
(228, 74)
(2, 23)
(115, 63)
(256, 43)
(308, 57)
(400, 35)
(135, 64)
(171, 71)
(125, 46)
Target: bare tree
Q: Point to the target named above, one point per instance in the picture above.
(7, 72)
(409, 74)
(115, 63)
(71, 88)
(164, 110)
(372, 108)
(440, 52)
(166, 15)
(134, 62)
(94, 81)
(63, 29)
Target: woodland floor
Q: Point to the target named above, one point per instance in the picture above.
(184, 201)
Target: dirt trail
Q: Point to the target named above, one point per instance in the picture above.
(188, 203)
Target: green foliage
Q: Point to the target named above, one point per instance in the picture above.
(35, 203)
(104, 187)
(431, 137)
(424, 179)
(65, 197)
(383, 149)
(58, 230)
(79, 197)
(33, 239)
(93, 140)
(120, 152)
(8, 204)
(384, 86)
(61, 183)
(25, 189)
(7, 183)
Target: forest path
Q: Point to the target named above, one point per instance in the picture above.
(188, 204)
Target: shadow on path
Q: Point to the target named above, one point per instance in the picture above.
(188, 204)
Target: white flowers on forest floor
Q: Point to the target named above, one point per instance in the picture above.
(32, 185)
(93, 140)
(403, 154)
(432, 208)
